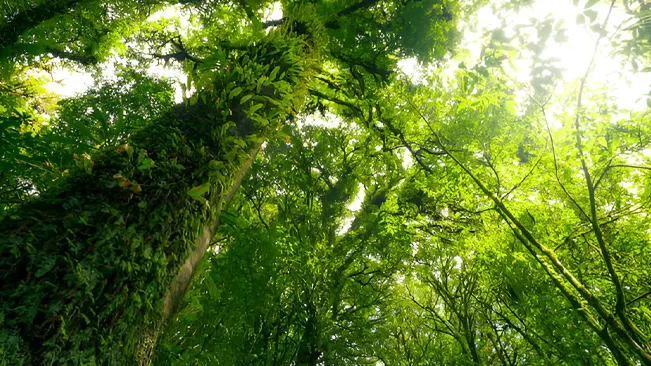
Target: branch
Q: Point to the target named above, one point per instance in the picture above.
(492, 167)
(438, 153)
(523, 178)
(558, 179)
(273, 23)
(336, 100)
(330, 83)
(364, 4)
(530, 242)
(257, 208)
(82, 59)
(620, 306)
(31, 17)
(371, 68)
(181, 55)
(401, 136)
(618, 166)
(332, 24)
(643, 296)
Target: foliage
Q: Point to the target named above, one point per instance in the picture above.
(131, 217)
(39, 150)
(471, 213)
(306, 290)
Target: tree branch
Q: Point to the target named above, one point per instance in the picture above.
(181, 54)
(620, 305)
(558, 179)
(31, 17)
(643, 296)
(82, 59)
(609, 167)
(530, 242)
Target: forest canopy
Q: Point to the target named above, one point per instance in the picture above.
(327, 182)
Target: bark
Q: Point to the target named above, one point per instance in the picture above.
(92, 269)
(182, 279)
(309, 350)
(84, 260)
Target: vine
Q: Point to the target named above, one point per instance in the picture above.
(86, 266)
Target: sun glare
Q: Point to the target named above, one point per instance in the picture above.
(573, 54)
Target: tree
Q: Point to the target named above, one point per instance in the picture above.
(307, 202)
(160, 176)
(98, 283)
(301, 295)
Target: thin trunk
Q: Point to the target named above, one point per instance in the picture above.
(309, 349)
(556, 269)
(527, 238)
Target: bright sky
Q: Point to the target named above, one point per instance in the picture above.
(68, 83)
(574, 54)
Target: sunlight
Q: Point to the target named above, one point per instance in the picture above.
(411, 68)
(330, 120)
(353, 207)
(67, 83)
(274, 12)
(508, 167)
(172, 11)
(573, 53)
(356, 204)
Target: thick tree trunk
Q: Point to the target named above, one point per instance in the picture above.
(85, 265)
(87, 270)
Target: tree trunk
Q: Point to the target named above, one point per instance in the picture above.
(88, 269)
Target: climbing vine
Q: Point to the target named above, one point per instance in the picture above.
(113, 235)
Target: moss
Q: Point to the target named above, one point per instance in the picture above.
(86, 266)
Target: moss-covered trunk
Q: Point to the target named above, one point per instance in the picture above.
(86, 268)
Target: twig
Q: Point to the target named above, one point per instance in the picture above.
(523, 178)
(558, 178)
(621, 299)
(618, 166)
(643, 296)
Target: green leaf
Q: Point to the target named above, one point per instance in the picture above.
(199, 190)
(274, 72)
(591, 14)
(590, 4)
(510, 106)
(246, 98)
(235, 92)
(84, 130)
(145, 164)
(259, 85)
(46, 266)
(254, 108)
